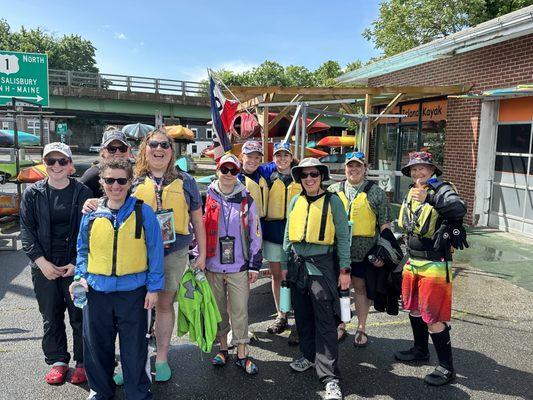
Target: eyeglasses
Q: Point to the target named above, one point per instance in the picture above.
(111, 181)
(355, 154)
(114, 149)
(305, 175)
(60, 161)
(225, 170)
(153, 144)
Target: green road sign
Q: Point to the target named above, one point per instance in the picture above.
(61, 128)
(24, 76)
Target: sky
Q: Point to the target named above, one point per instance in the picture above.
(178, 39)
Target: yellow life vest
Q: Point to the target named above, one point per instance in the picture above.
(172, 197)
(259, 192)
(119, 251)
(312, 222)
(418, 218)
(279, 197)
(362, 217)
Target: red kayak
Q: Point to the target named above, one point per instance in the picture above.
(238, 146)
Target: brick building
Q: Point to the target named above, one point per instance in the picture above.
(483, 138)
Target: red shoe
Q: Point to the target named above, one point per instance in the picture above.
(57, 375)
(78, 376)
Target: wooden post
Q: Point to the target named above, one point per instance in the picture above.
(368, 110)
(265, 133)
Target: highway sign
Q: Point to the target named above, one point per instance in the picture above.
(61, 128)
(24, 76)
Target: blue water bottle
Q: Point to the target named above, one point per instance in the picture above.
(285, 297)
(79, 293)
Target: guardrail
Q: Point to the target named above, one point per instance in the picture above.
(127, 83)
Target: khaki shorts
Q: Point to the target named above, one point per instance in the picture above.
(175, 265)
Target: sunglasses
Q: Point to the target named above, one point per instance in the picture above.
(355, 154)
(60, 161)
(114, 149)
(313, 174)
(153, 144)
(225, 170)
(111, 181)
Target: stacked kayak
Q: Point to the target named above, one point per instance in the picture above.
(179, 132)
(337, 141)
(238, 146)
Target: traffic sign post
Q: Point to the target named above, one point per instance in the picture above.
(61, 128)
(24, 76)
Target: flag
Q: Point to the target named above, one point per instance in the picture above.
(222, 113)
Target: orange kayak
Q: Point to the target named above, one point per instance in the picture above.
(9, 204)
(179, 132)
(337, 141)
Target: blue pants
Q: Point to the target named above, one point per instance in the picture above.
(104, 315)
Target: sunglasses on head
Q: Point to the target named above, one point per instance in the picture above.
(355, 154)
(114, 149)
(313, 174)
(111, 181)
(51, 161)
(153, 144)
(225, 170)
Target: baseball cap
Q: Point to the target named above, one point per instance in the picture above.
(229, 159)
(357, 156)
(59, 147)
(282, 146)
(111, 135)
(252, 146)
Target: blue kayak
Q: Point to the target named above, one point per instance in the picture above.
(7, 138)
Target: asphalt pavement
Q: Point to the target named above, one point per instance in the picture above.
(492, 335)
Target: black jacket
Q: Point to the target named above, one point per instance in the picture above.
(35, 220)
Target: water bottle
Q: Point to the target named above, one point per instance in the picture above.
(344, 296)
(285, 297)
(79, 293)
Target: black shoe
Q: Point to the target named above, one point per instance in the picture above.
(413, 354)
(441, 376)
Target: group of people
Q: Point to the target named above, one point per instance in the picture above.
(109, 230)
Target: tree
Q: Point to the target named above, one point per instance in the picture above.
(297, 75)
(404, 24)
(326, 74)
(69, 52)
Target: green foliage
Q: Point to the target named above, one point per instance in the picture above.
(69, 52)
(271, 73)
(404, 24)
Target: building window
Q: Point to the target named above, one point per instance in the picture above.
(195, 132)
(194, 149)
(209, 133)
(33, 127)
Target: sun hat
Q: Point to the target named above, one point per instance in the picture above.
(310, 162)
(420, 158)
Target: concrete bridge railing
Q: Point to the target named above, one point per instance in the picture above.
(127, 83)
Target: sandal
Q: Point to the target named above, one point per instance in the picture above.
(57, 375)
(358, 336)
(278, 326)
(78, 376)
(247, 364)
(220, 359)
(341, 333)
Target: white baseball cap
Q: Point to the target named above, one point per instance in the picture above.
(59, 147)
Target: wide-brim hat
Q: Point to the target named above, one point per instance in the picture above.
(420, 158)
(310, 162)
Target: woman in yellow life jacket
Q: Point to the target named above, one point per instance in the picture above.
(175, 198)
(282, 189)
(369, 213)
(257, 186)
(317, 233)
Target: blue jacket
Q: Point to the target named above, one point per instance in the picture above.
(153, 278)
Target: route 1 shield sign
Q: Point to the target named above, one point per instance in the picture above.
(24, 76)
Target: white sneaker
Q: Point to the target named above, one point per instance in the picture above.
(333, 391)
(302, 364)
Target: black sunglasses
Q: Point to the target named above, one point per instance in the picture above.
(114, 149)
(120, 181)
(51, 161)
(154, 144)
(313, 174)
(225, 170)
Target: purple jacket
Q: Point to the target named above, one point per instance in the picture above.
(248, 254)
